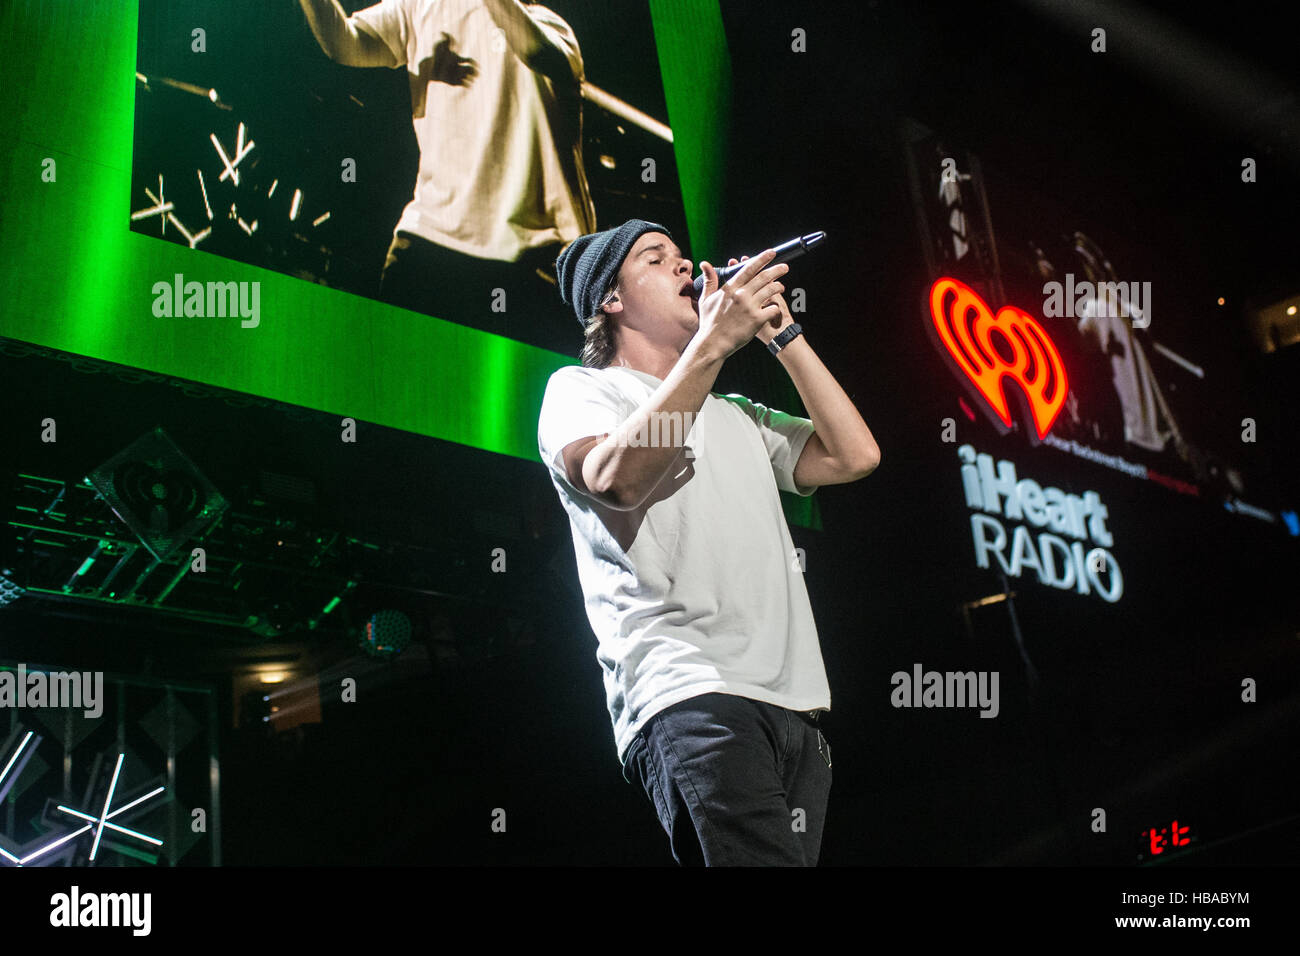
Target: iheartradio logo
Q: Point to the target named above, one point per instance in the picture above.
(989, 349)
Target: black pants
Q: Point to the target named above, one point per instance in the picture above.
(734, 781)
(504, 298)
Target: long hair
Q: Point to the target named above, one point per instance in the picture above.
(599, 347)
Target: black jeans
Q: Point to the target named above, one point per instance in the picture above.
(505, 298)
(734, 781)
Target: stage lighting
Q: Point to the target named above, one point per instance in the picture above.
(14, 755)
(386, 634)
(158, 493)
(255, 711)
(10, 591)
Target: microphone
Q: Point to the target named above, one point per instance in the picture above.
(784, 253)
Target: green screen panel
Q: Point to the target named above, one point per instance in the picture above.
(696, 71)
(79, 281)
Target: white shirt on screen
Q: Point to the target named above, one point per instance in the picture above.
(500, 151)
(1147, 421)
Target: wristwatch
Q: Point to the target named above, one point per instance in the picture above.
(785, 338)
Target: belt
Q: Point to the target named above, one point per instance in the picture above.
(813, 717)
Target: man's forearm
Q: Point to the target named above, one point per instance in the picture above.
(835, 418)
(625, 474)
(340, 39)
(528, 41)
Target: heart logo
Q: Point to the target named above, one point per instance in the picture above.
(979, 342)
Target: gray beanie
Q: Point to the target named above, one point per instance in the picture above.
(588, 265)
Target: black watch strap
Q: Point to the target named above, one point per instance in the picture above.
(785, 338)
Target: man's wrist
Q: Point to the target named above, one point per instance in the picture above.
(783, 338)
(701, 352)
(765, 333)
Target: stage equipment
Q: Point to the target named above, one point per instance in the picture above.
(158, 493)
(15, 757)
(386, 634)
(10, 590)
(129, 782)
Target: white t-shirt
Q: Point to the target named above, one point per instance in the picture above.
(1146, 421)
(698, 590)
(500, 152)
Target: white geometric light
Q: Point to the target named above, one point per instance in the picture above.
(97, 823)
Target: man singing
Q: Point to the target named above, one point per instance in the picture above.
(712, 667)
(497, 109)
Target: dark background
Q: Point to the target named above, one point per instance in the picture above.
(1138, 710)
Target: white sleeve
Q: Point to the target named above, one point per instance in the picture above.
(389, 21)
(784, 436)
(560, 34)
(578, 403)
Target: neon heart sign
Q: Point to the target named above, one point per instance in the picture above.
(977, 342)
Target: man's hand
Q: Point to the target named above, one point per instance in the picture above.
(731, 315)
(771, 329)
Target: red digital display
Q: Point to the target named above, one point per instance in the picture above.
(1157, 841)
